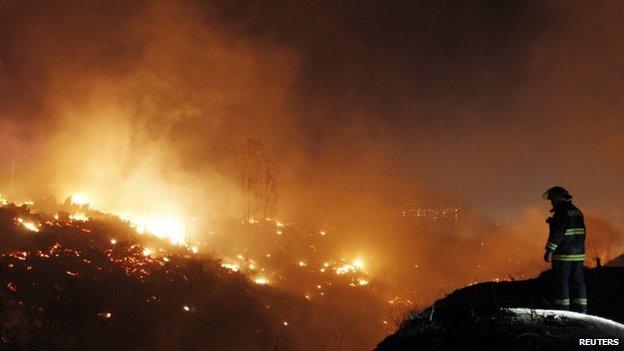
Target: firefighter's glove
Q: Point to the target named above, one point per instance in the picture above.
(547, 256)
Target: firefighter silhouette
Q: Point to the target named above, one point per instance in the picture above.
(566, 249)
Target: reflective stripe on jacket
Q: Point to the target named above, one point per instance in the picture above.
(566, 239)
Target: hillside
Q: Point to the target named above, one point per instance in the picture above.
(96, 284)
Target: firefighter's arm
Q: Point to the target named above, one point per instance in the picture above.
(557, 224)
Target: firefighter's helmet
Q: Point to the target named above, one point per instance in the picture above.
(556, 191)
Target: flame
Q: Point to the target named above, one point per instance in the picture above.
(261, 281)
(28, 225)
(81, 217)
(231, 266)
(352, 267)
(79, 199)
(157, 219)
(167, 228)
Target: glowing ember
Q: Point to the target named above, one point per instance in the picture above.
(362, 281)
(113, 241)
(194, 249)
(302, 264)
(105, 315)
(147, 252)
(186, 308)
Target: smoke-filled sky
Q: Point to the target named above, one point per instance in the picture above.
(358, 104)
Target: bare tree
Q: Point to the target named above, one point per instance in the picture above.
(256, 181)
(338, 336)
(596, 255)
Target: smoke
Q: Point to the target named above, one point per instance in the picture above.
(137, 104)
(489, 110)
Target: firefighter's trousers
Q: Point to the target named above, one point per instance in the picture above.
(569, 286)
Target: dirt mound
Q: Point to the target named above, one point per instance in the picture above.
(476, 317)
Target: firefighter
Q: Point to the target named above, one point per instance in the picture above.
(566, 249)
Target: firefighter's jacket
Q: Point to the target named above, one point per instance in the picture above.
(566, 239)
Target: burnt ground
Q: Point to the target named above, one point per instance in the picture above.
(472, 318)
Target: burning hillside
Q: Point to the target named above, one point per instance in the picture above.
(95, 283)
